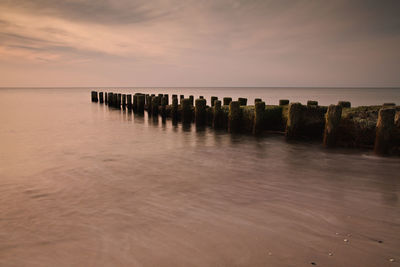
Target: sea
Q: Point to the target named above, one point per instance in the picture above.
(82, 184)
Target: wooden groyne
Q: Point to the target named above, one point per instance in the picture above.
(375, 127)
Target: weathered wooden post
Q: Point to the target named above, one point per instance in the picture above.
(115, 100)
(242, 101)
(213, 98)
(259, 111)
(174, 109)
(167, 99)
(191, 100)
(257, 100)
(283, 102)
(384, 131)
(234, 117)
(101, 97)
(186, 110)
(119, 101)
(201, 97)
(106, 98)
(110, 99)
(227, 100)
(140, 103)
(294, 120)
(217, 115)
(389, 104)
(160, 97)
(135, 102)
(332, 121)
(200, 112)
(174, 95)
(181, 97)
(123, 101)
(149, 108)
(163, 112)
(344, 104)
(94, 96)
(312, 103)
(129, 102)
(154, 105)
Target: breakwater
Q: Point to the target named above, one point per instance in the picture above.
(376, 127)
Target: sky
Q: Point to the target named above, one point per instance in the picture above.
(171, 43)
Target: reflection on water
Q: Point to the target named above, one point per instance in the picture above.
(83, 185)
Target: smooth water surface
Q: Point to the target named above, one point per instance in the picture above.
(85, 185)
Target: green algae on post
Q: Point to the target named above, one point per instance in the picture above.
(200, 112)
(283, 102)
(332, 120)
(384, 131)
(259, 111)
(242, 101)
(234, 117)
(186, 110)
(213, 98)
(227, 101)
(294, 120)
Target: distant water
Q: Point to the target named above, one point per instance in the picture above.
(84, 185)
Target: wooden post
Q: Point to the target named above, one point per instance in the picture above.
(149, 108)
(242, 101)
(181, 97)
(140, 103)
(389, 104)
(283, 102)
(234, 117)
(94, 96)
(344, 104)
(191, 100)
(259, 111)
(115, 100)
(294, 120)
(201, 97)
(106, 98)
(257, 100)
(119, 101)
(174, 109)
(101, 97)
(384, 131)
(227, 100)
(167, 99)
(129, 101)
(163, 112)
(312, 103)
(217, 115)
(110, 99)
(154, 105)
(213, 98)
(200, 112)
(186, 110)
(123, 101)
(332, 121)
(135, 101)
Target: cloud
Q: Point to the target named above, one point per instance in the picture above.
(267, 42)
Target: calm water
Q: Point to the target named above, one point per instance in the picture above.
(82, 185)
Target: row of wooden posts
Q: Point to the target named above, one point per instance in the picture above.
(191, 110)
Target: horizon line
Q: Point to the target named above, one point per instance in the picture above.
(282, 87)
